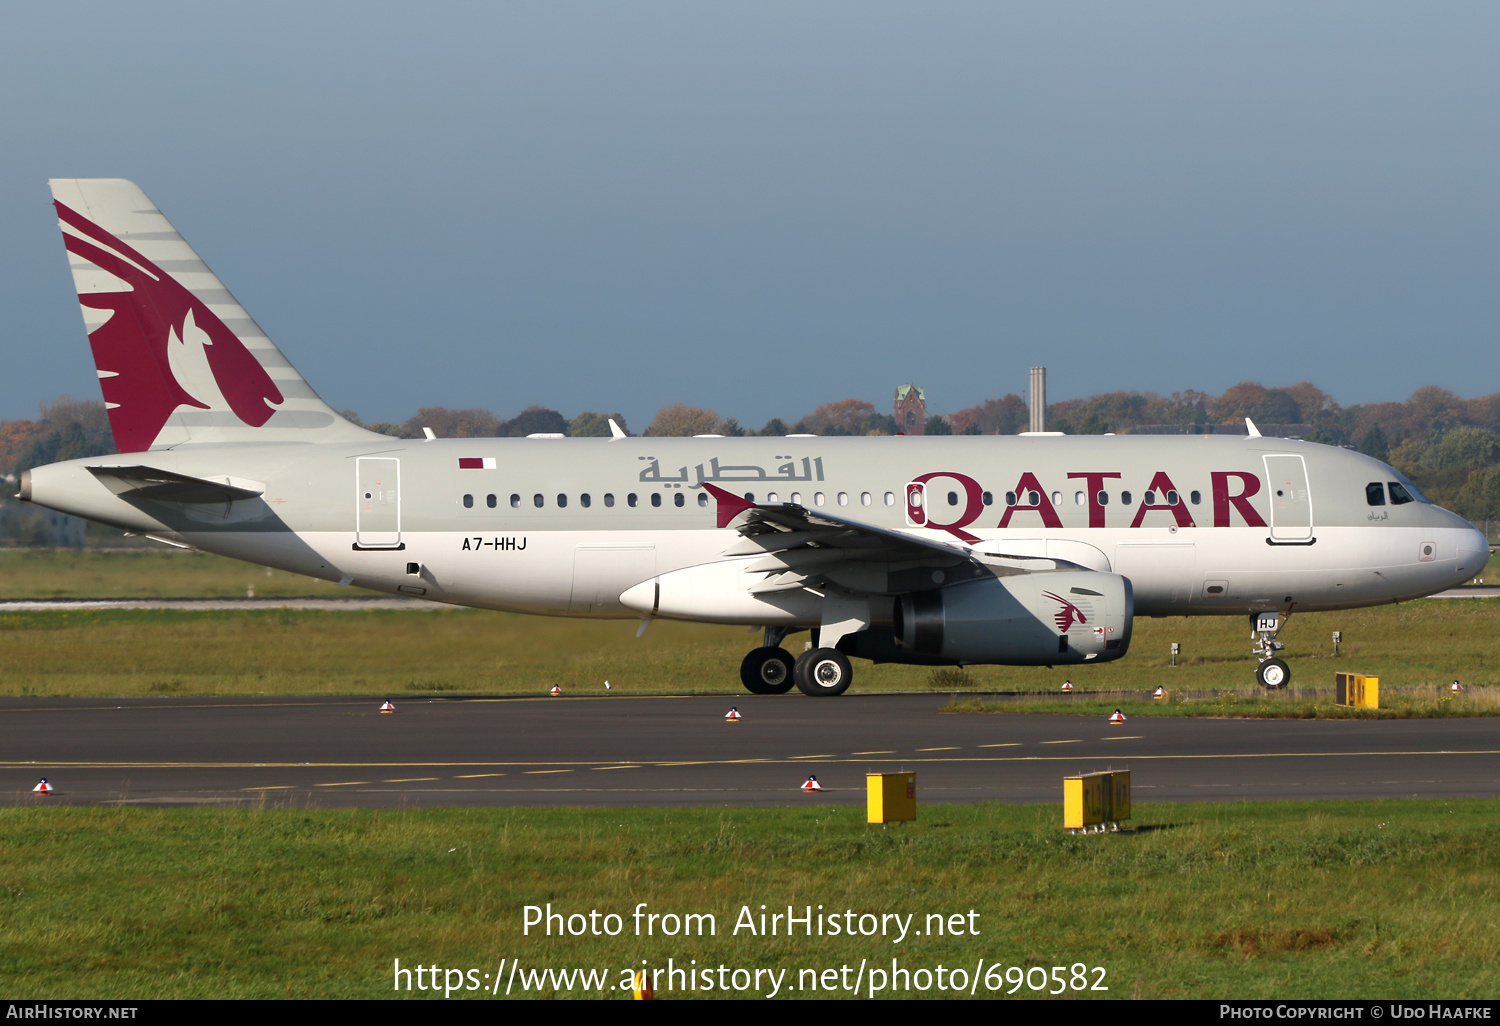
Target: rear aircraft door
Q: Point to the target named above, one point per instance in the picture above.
(1290, 499)
(377, 509)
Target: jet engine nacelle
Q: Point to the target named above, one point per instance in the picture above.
(1022, 620)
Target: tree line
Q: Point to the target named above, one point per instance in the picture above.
(1448, 445)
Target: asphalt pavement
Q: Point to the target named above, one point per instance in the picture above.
(617, 750)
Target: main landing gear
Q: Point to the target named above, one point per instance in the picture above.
(1273, 672)
(772, 670)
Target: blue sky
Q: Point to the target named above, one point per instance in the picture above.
(761, 207)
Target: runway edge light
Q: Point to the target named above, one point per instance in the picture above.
(733, 715)
(555, 692)
(387, 707)
(42, 788)
(812, 784)
(1117, 717)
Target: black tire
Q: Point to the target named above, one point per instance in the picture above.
(767, 671)
(823, 671)
(1274, 674)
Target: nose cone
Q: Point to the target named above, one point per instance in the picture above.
(1473, 552)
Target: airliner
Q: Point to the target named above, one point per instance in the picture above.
(1033, 550)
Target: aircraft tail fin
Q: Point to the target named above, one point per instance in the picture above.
(179, 360)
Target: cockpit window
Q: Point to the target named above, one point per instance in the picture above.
(1411, 489)
(1375, 493)
(1399, 495)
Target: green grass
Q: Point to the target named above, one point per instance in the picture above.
(1419, 644)
(1408, 704)
(149, 573)
(1423, 644)
(1266, 900)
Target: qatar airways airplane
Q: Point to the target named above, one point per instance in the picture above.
(1021, 550)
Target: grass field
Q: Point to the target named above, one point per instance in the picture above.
(148, 573)
(1318, 899)
(1252, 703)
(1422, 644)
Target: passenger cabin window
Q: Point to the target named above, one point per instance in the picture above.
(1102, 498)
(1196, 497)
(953, 498)
(537, 500)
(1032, 499)
(609, 500)
(1375, 493)
(1150, 498)
(656, 498)
(491, 501)
(703, 498)
(1171, 498)
(468, 502)
(1399, 495)
(1125, 498)
(630, 500)
(562, 501)
(515, 502)
(1010, 498)
(987, 498)
(585, 501)
(677, 499)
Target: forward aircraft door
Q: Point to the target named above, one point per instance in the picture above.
(1290, 499)
(377, 509)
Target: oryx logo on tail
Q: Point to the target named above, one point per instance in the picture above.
(160, 347)
(1068, 615)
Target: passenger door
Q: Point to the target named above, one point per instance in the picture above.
(377, 516)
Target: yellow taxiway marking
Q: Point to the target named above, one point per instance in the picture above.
(1003, 744)
(476, 776)
(889, 752)
(950, 748)
(1123, 737)
(615, 767)
(828, 755)
(273, 787)
(1071, 741)
(549, 771)
(343, 783)
(407, 780)
(87, 764)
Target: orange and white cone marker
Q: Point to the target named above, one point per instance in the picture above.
(555, 692)
(1457, 687)
(387, 707)
(733, 715)
(1118, 717)
(1160, 692)
(42, 788)
(641, 986)
(812, 785)
(1067, 685)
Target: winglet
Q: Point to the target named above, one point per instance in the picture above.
(730, 504)
(1250, 426)
(615, 430)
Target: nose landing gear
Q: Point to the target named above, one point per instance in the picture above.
(1273, 672)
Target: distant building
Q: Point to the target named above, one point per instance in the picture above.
(911, 410)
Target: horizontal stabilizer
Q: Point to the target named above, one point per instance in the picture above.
(166, 486)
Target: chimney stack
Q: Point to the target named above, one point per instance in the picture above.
(1039, 399)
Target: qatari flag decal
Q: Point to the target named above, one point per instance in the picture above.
(476, 463)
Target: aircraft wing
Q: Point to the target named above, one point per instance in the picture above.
(804, 548)
(166, 486)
